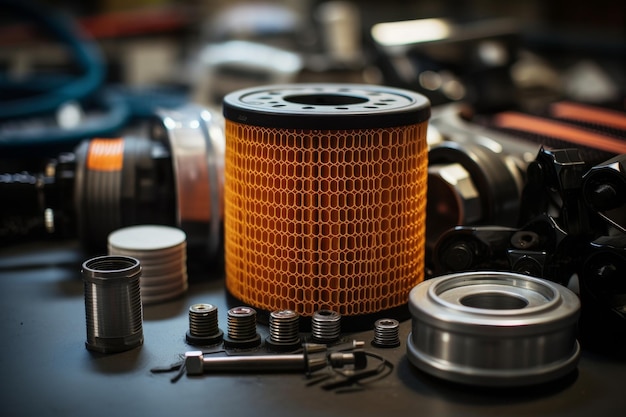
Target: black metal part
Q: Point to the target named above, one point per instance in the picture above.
(139, 193)
(204, 340)
(604, 190)
(38, 203)
(275, 346)
(357, 359)
(573, 228)
(466, 248)
(603, 295)
(251, 343)
(555, 177)
(64, 197)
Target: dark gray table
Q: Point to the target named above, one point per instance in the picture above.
(46, 369)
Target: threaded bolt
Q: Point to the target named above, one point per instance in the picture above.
(203, 325)
(242, 332)
(284, 331)
(325, 326)
(386, 333)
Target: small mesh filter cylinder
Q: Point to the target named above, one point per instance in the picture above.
(325, 195)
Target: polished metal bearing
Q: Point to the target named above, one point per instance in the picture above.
(493, 328)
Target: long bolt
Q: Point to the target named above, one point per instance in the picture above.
(196, 363)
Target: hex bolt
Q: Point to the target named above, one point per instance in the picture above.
(242, 333)
(284, 331)
(203, 326)
(386, 333)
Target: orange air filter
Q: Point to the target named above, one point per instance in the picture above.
(324, 197)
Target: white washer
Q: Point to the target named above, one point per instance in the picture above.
(162, 252)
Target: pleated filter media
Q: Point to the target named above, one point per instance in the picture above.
(325, 197)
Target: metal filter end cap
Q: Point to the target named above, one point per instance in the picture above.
(493, 329)
(326, 106)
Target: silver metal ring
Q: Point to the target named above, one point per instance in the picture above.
(493, 328)
(196, 140)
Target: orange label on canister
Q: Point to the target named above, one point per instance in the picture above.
(105, 154)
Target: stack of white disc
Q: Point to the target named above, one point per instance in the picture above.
(162, 252)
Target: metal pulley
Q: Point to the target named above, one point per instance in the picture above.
(493, 328)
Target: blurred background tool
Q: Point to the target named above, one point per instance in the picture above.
(171, 176)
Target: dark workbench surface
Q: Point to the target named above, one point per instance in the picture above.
(46, 369)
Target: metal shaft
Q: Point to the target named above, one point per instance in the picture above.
(197, 364)
(264, 363)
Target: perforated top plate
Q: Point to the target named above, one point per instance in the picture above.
(326, 106)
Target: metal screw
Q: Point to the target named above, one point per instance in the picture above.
(284, 331)
(203, 325)
(242, 332)
(386, 333)
(325, 326)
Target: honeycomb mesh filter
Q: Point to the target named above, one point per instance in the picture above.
(325, 195)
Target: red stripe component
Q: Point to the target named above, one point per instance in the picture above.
(559, 130)
(591, 114)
